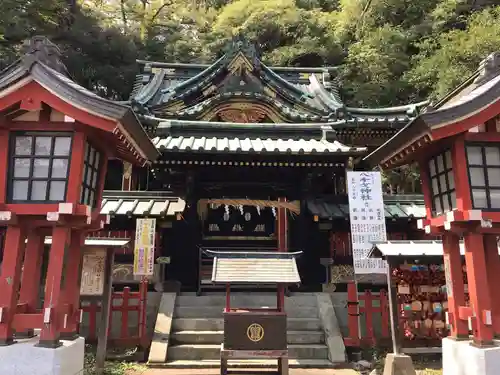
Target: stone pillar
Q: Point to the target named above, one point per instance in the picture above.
(52, 317)
(70, 297)
(493, 274)
(478, 289)
(10, 280)
(455, 285)
(31, 275)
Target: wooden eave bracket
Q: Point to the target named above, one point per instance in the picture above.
(456, 221)
(66, 211)
(8, 217)
(129, 147)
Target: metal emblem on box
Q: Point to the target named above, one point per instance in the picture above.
(255, 332)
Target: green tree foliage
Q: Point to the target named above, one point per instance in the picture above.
(389, 52)
(445, 59)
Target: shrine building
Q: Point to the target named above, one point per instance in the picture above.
(227, 153)
(240, 130)
(456, 143)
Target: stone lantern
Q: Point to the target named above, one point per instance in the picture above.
(55, 140)
(456, 144)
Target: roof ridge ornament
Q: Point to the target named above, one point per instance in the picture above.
(488, 68)
(239, 43)
(40, 49)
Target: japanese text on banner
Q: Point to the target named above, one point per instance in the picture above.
(366, 214)
(144, 247)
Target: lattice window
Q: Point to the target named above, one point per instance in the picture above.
(483, 163)
(39, 167)
(442, 183)
(91, 169)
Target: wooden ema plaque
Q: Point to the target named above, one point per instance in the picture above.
(255, 330)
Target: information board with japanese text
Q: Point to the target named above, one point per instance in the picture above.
(367, 217)
(144, 248)
(93, 272)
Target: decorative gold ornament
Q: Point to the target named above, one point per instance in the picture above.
(127, 170)
(242, 115)
(255, 332)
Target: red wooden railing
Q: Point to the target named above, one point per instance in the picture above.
(125, 338)
(357, 312)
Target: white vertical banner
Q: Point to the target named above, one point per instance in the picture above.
(367, 217)
(144, 249)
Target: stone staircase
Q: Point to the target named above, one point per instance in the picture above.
(197, 330)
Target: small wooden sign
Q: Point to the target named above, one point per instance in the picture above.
(403, 289)
(93, 272)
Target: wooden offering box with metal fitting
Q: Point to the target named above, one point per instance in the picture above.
(255, 330)
(255, 333)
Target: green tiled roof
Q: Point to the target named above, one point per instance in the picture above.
(396, 207)
(300, 94)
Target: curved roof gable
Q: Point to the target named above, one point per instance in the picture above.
(185, 91)
(41, 64)
(170, 87)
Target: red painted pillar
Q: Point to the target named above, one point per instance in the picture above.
(71, 289)
(282, 235)
(10, 280)
(32, 270)
(493, 274)
(52, 317)
(455, 284)
(76, 168)
(478, 288)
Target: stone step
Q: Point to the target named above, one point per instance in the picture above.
(216, 337)
(212, 352)
(191, 352)
(246, 363)
(247, 300)
(200, 324)
(216, 312)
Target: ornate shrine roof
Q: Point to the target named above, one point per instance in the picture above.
(470, 104)
(218, 92)
(41, 64)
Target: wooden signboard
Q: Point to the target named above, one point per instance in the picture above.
(93, 272)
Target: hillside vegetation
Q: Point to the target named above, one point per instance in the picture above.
(388, 51)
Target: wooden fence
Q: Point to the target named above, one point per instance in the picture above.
(365, 313)
(125, 302)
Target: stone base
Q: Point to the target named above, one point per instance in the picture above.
(461, 358)
(398, 364)
(25, 358)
